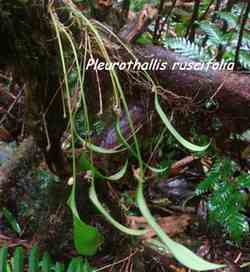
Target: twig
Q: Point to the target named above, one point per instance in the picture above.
(11, 107)
(118, 262)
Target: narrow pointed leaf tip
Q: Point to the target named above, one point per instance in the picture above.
(185, 256)
(174, 132)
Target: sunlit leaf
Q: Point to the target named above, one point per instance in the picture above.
(11, 220)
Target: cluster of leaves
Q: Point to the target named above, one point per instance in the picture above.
(227, 198)
(212, 39)
(37, 264)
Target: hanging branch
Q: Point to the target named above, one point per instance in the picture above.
(237, 53)
(191, 28)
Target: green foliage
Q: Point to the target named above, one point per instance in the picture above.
(187, 49)
(244, 58)
(212, 39)
(230, 18)
(35, 263)
(10, 218)
(137, 5)
(227, 198)
(215, 35)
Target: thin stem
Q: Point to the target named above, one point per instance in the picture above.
(157, 23)
(195, 16)
(166, 19)
(203, 16)
(244, 21)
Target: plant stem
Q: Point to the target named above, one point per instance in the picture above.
(191, 28)
(157, 23)
(237, 53)
(166, 19)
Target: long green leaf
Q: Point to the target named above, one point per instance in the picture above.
(175, 133)
(46, 262)
(33, 260)
(181, 253)
(59, 267)
(102, 150)
(18, 260)
(3, 258)
(11, 220)
(93, 197)
(75, 265)
(86, 238)
(85, 165)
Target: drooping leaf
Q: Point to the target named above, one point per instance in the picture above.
(11, 220)
(93, 197)
(86, 238)
(86, 165)
(174, 132)
(180, 252)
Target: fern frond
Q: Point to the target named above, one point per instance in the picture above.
(244, 58)
(243, 181)
(215, 35)
(226, 202)
(228, 17)
(211, 181)
(187, 49)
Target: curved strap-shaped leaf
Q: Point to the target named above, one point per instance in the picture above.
(180, 252)
(174, 132)
(85, 164)
(93, 197)
(102, 150)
